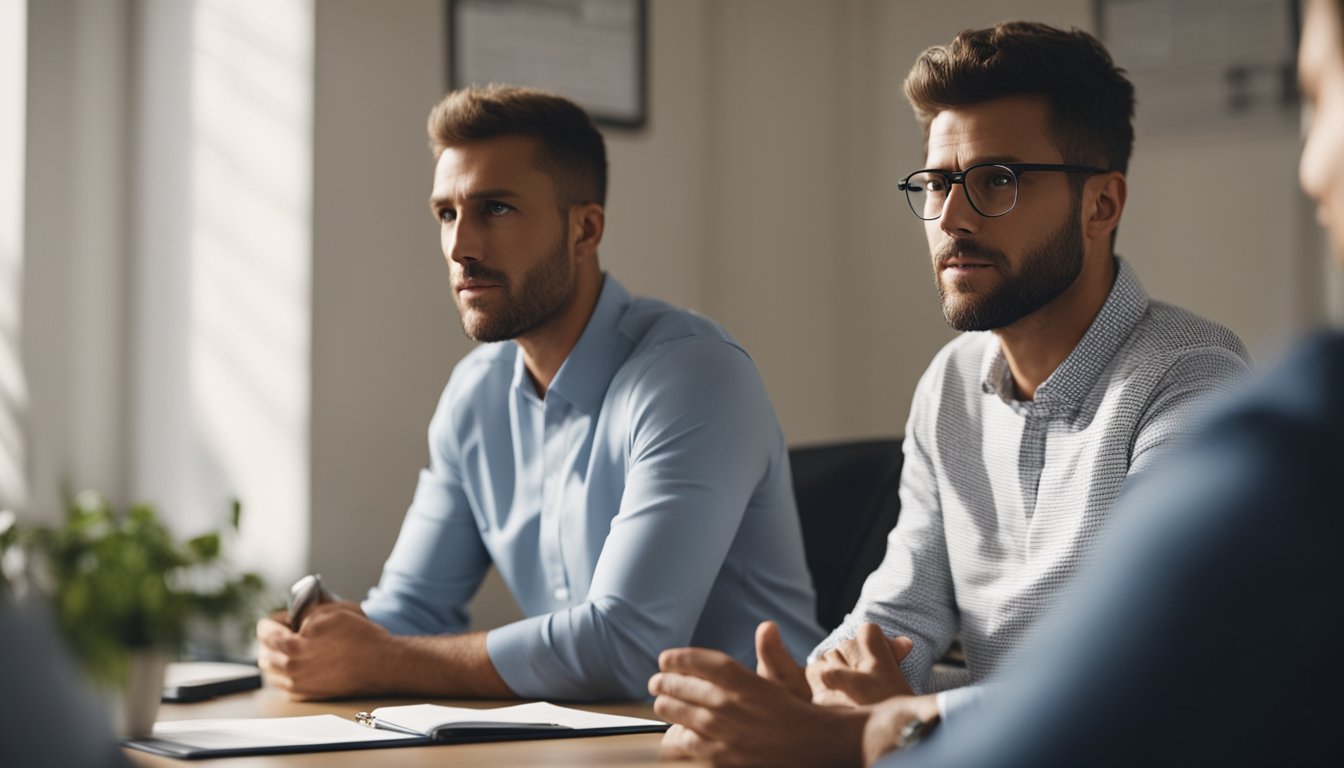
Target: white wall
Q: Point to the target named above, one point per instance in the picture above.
(222, 262)
(74, 248)
(385, 333)
(13, 388)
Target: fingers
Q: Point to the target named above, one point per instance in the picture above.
(834, 657)
(852, 652)
(325, 616)
(318, 614)
(772, 658)
(867, 648)
(687, 715)
(678, 744)
(901, 647)
(714, 666)
(693, 690)
(348, 606)
(271, 659)
(278, 636)
(859, 687)
(872, 642)
(681, 743)
(874, 650)
(814, 682)
(774, 662)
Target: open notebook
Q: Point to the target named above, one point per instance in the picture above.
(410, 725)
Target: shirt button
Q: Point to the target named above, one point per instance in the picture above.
(561, 594)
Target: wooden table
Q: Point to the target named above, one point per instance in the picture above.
(630, 750)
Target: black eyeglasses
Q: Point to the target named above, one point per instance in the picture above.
(991, 188)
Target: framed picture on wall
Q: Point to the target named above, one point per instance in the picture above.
(1196, 62)
(591, 51)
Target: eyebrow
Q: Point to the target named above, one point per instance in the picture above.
(436, 201)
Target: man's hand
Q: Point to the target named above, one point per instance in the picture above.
(336, 652)
(722, 712)
(864, 670)
(883, 730)
(773, 662)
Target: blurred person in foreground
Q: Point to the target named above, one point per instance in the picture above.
(48, 714)
(616, 458)
(1203, 636)
(1068, 382)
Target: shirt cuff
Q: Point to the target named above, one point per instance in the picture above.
(959, 701)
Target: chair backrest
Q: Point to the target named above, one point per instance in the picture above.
(848, 502)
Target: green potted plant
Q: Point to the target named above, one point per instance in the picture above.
(123, 592)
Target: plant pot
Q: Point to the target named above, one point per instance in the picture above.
(133, 706)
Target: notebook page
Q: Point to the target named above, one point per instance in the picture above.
(424, 718)
(251, 733)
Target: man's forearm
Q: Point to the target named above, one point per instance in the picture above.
(442, 665)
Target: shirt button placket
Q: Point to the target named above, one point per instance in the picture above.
(553, 563)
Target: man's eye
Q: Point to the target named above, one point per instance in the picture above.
(497, 209)
(447, 215)
(1000, 180)
(935, 185)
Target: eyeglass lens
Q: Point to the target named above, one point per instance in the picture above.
(992, 190)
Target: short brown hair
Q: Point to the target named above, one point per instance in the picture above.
(571, 150)
(1091, 101)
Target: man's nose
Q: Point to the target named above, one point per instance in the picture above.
(462, 241)
(959, 216)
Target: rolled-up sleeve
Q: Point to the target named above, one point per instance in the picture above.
(701, 431)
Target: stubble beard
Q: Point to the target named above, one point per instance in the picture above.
(543, 293)
(1046, 272)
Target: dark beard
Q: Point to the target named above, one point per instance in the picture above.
(542, 294)
(1047, 271)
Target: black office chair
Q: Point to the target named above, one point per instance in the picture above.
(848, 503)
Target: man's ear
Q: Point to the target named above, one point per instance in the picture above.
(587, 221)
(1105, 201)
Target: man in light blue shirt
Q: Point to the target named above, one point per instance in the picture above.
(616, 458)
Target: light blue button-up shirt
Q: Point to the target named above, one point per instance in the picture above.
(644, 504)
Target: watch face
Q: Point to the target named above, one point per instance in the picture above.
(914, 730)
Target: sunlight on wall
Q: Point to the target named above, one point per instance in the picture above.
(13, 392)
(251, 279)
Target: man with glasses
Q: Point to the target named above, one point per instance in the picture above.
(1196, 637)
(1019, 439)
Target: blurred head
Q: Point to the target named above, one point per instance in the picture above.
(519, 184)
(1021, 92)
(1321, 71)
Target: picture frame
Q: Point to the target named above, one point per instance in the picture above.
(594, 52)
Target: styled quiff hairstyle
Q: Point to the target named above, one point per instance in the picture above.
(1091, 101)
(570, 150)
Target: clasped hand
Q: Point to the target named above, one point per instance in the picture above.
(865, 669)
(334, 653)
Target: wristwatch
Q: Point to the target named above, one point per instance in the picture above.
(914, 730)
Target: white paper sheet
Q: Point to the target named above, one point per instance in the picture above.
(269, 732)
(424, 718)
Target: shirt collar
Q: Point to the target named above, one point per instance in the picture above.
(1065, 389)
(583, 378)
